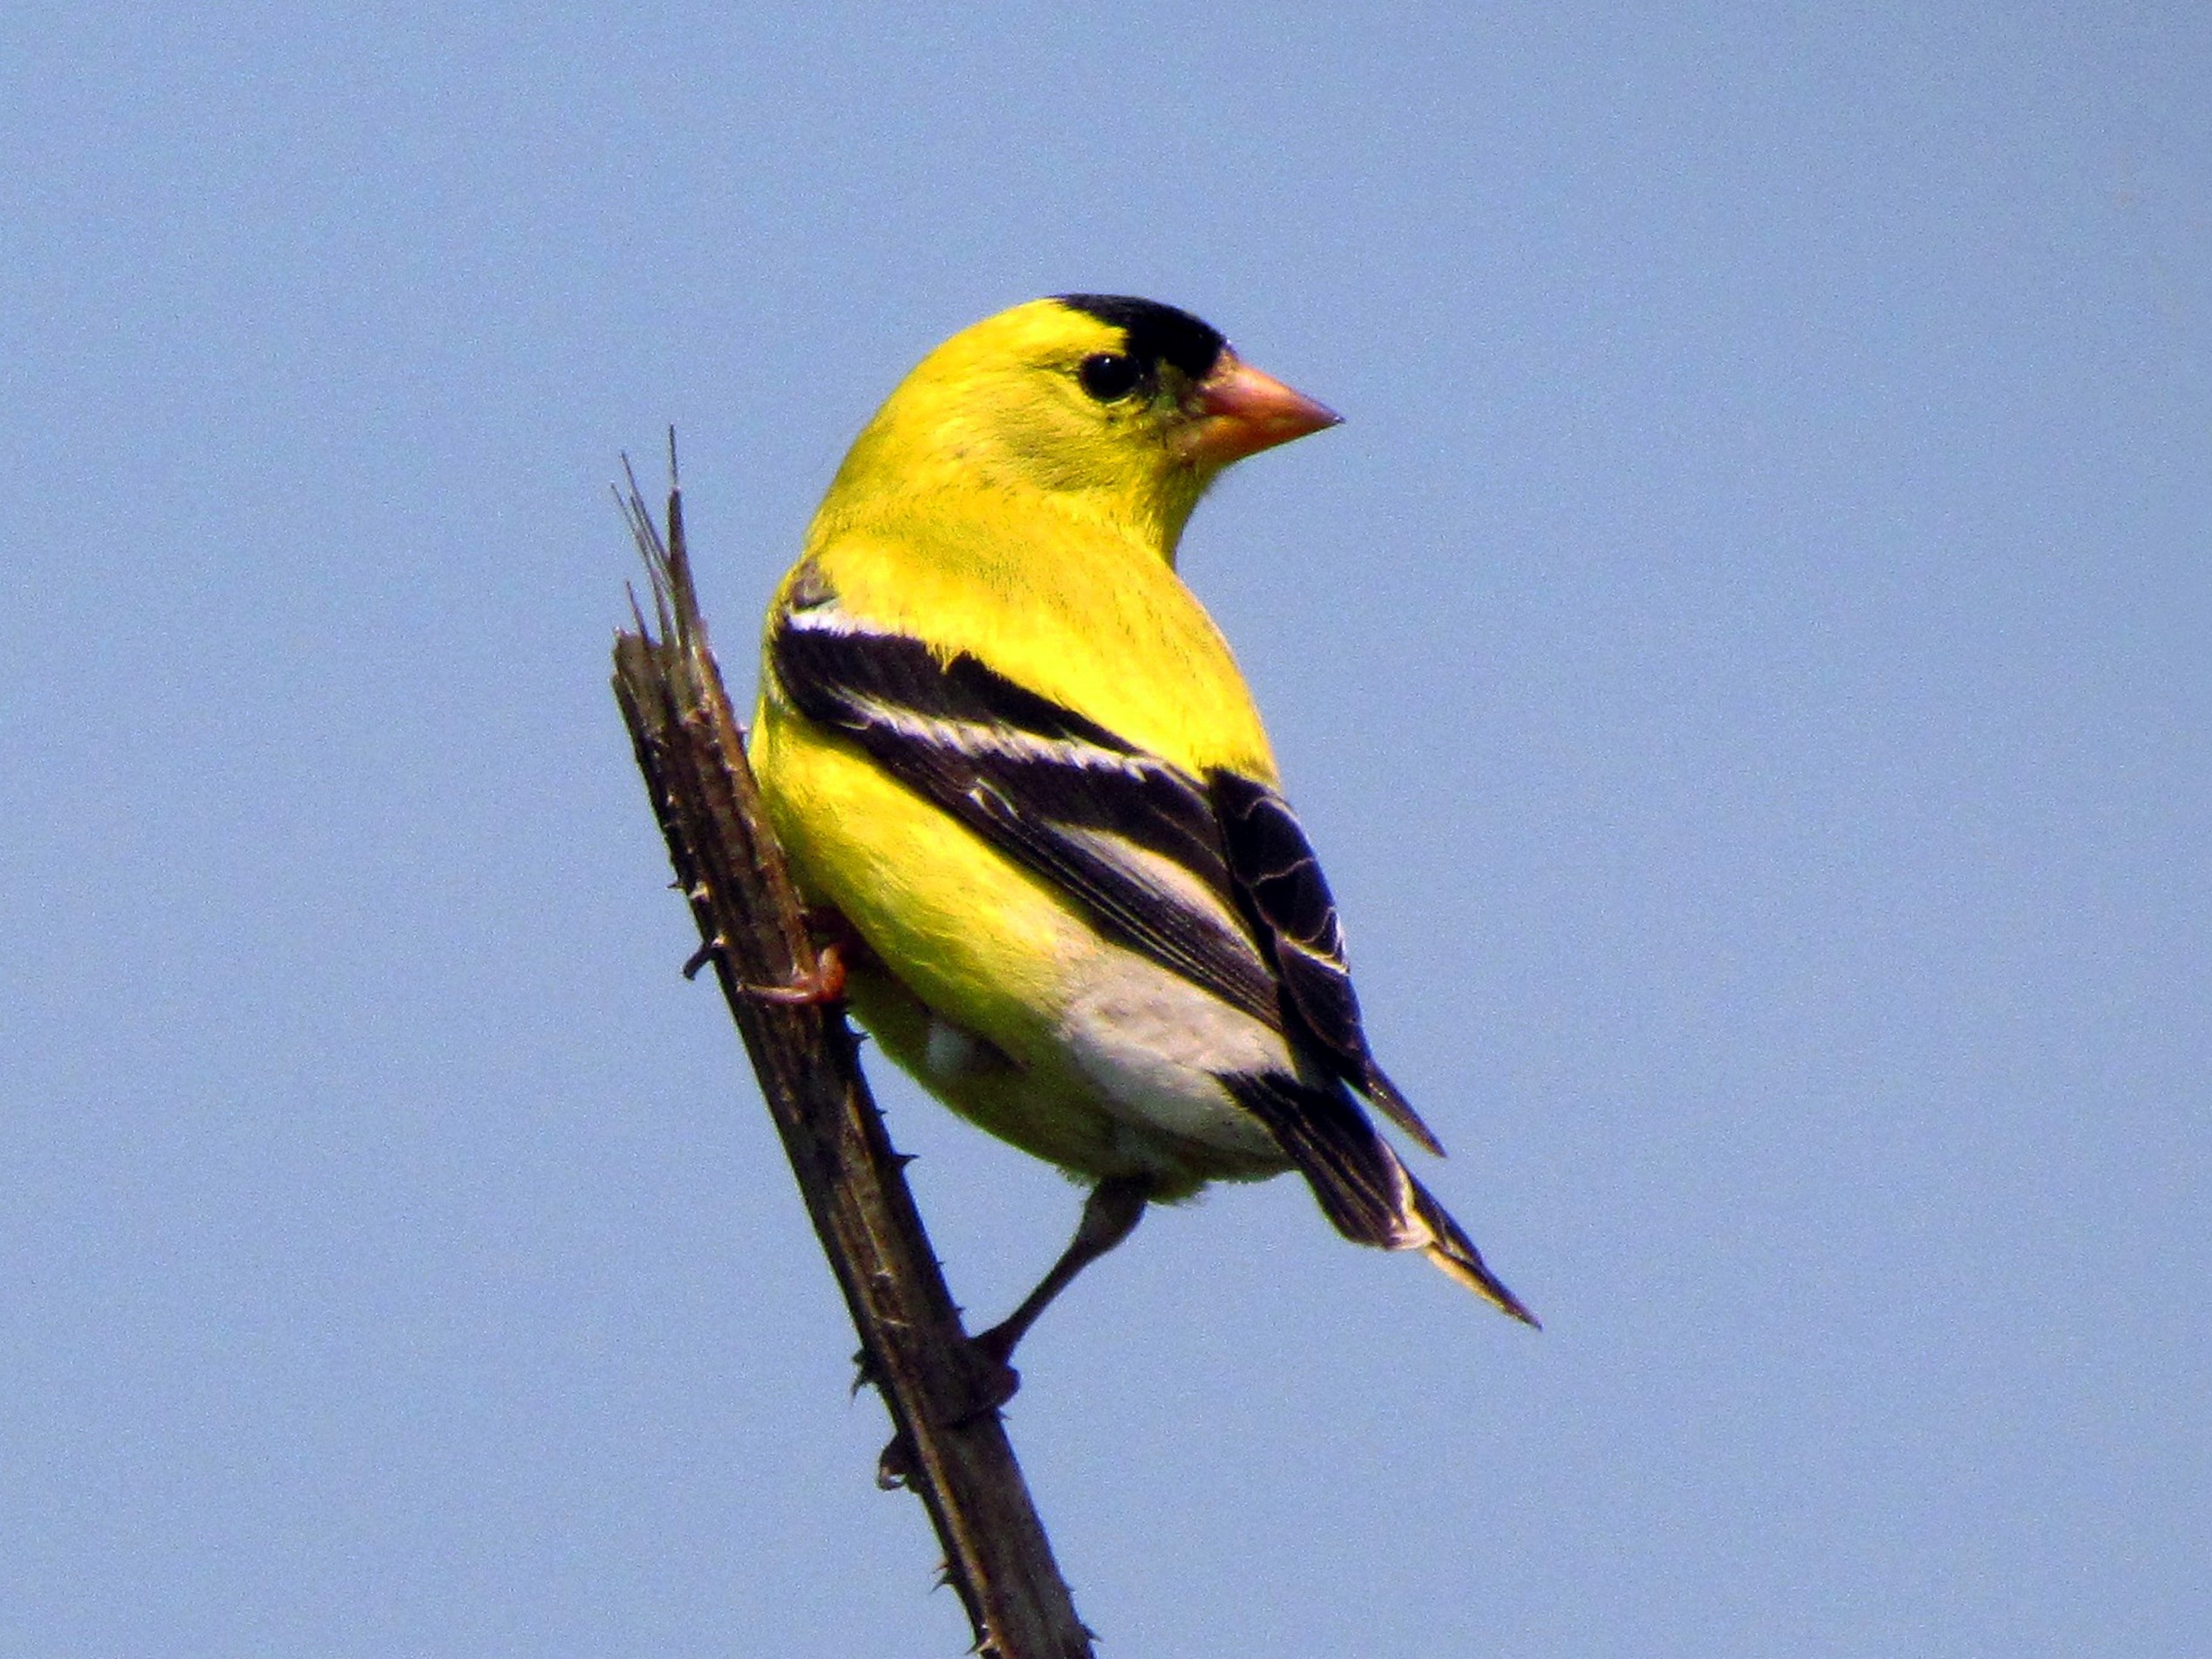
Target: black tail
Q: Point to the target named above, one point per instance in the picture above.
(1362, 1186)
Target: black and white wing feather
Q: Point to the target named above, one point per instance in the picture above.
(1277, 884)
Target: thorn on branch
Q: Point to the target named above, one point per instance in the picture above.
(864, 1374)
(705, 953)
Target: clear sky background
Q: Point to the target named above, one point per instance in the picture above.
(1745, 660)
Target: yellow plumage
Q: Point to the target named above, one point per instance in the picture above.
(991, 717)
(986, 510)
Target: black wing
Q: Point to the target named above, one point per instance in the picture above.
(1214, 881)
(1059, 793)
(1277, 884)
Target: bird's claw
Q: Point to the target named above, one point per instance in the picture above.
(821, 987)
(895, 1468)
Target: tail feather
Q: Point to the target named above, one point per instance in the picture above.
(1369, 1196)
(1452, 1250)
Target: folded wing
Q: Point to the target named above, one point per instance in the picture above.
(1210, 878)
(1129, 836)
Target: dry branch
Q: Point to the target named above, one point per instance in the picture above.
(691, 748)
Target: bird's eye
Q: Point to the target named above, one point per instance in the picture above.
(1109, 377)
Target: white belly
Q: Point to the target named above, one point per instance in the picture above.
(1153, 1045)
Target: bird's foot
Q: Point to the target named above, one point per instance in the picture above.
(992, 1381)
(820, 988)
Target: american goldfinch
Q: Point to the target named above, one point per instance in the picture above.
(1021, 782)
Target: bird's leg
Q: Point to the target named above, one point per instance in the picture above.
(1110, 1214)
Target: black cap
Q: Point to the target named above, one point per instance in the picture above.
(1156, 333)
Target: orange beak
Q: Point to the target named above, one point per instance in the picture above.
(1236, 411)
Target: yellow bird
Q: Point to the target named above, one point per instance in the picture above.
(1023, 788)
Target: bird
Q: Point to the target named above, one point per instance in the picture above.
(1029, 804)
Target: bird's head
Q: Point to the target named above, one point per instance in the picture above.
(1124, 409)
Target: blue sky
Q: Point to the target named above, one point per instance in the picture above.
(1743, 660)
